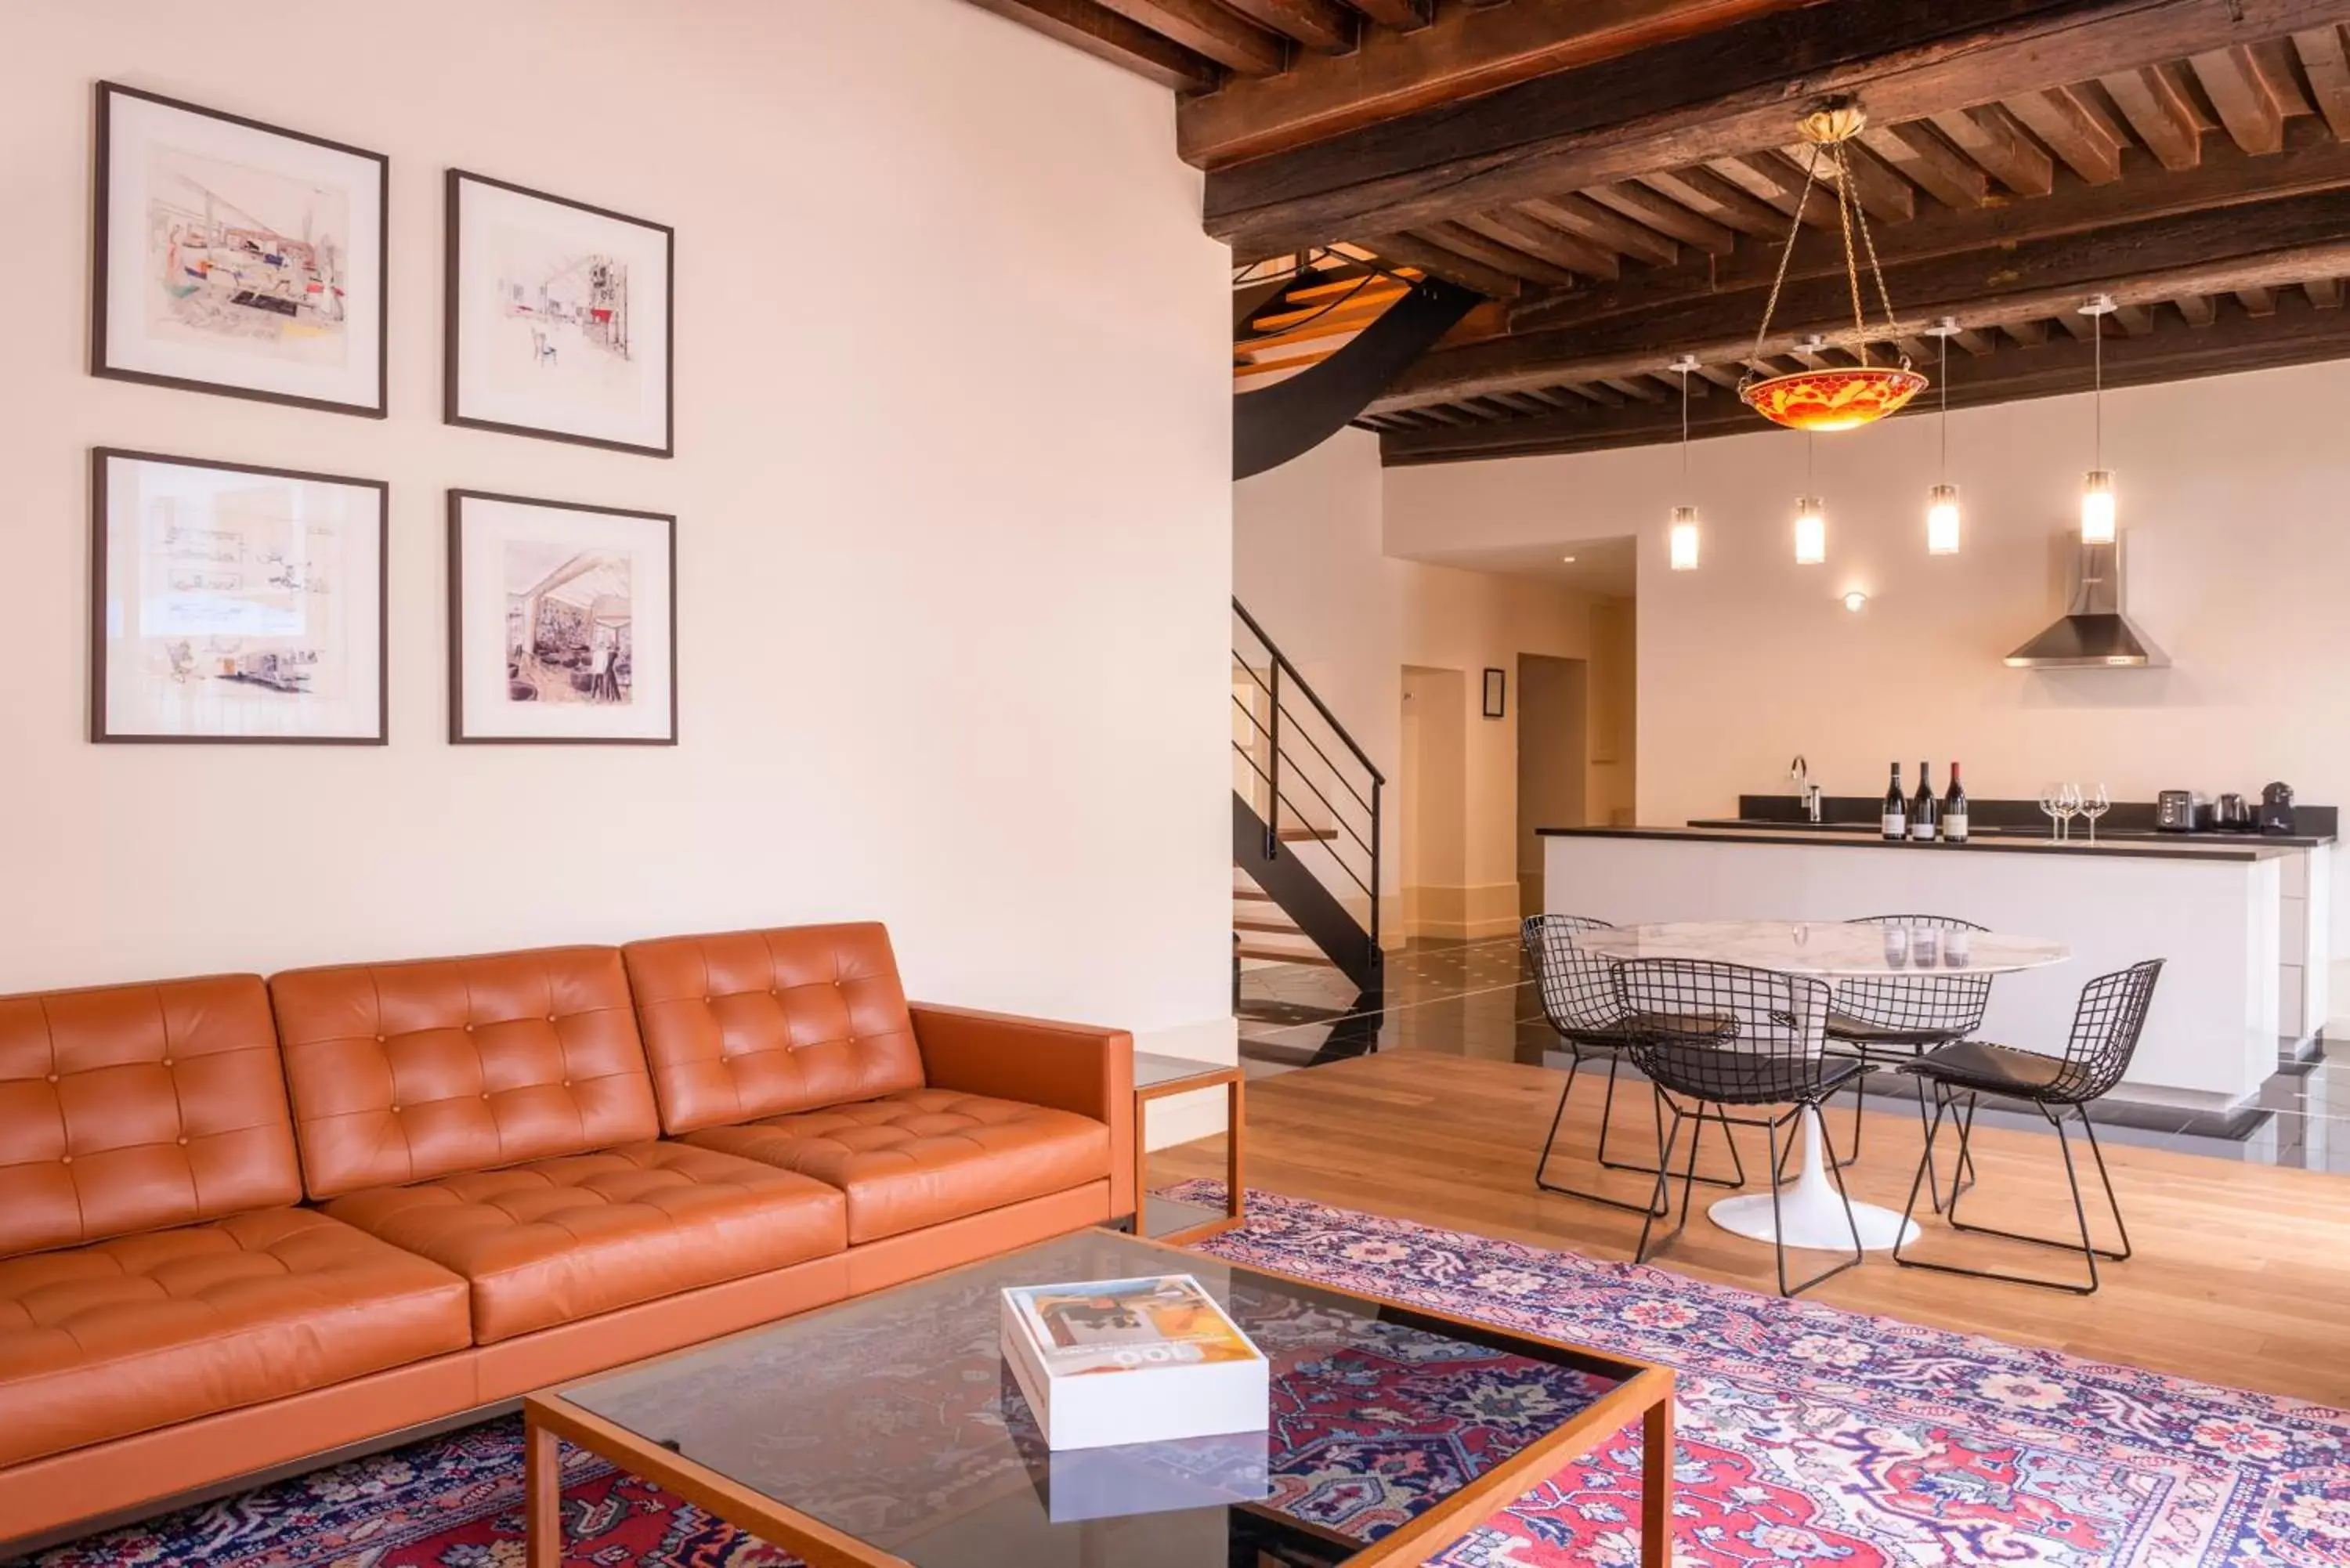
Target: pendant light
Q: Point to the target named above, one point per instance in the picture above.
(1942, 500)
(2098, 484)
(1832, 397)
(1811, 518)
(1681, 540)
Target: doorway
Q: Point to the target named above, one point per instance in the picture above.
(1554, 759)
(1434, 791)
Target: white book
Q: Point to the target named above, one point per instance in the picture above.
(1132, 1361)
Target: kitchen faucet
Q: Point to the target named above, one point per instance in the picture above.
(1800, 770)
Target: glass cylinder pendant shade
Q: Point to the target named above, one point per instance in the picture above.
(1681, 541)
(1811, 532)
(1942, 520)
(2097, 507)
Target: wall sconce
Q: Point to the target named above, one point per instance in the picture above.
(1855, 601)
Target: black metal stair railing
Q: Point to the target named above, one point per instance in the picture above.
(1305, 805)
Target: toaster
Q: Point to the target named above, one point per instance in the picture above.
(2180, 811)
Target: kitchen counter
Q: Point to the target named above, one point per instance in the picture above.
(2242, 921)
(1841, 836)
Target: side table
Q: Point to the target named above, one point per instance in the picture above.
(1162, 1218)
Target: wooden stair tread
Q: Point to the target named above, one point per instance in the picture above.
(1252, 895)
(1276, 955)
(1278, 928)
(1302, 834)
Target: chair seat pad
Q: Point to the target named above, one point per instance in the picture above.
(1995, 1069)
(919, 1156)
(1746, 1078)
(559, 1240)
(1852, 1030)
(124, 1336)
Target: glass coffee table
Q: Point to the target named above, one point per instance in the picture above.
(887, 1431)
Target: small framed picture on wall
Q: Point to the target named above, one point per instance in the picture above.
(559, 317)
(237, 257)
(229, 603)
(1496, 683)
(562, 622)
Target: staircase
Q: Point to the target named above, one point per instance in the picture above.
(1305, 828)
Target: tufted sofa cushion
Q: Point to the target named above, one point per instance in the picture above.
(132, 1107)
(922, 1156)
(402, 1072)
(131, 1334)
(752, 1024)
(559, 1240)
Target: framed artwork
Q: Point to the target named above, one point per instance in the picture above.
(562, 622)
(1496, 685)
(237, 257)
(559, 319)
(229, 603)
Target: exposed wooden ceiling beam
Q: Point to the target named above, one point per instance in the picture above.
(1324, 26)
(1464, 50)
(1991, 137)
(2063, 120)
(1106, 34)
(2324, 62)
(1205, 27)
(1923, 155)
(1643, 205)
(2155, 106)
(2291, 337)
(2247, 104)
(1535, 238)
(2324, 293)
(1716, 94)
(2194, 310)
(1602, 226)
(1436, 261)
(2313, 161)
(2139, 264)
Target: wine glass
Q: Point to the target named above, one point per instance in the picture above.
(2095, 805)
(2068, 806)
(2051, 796)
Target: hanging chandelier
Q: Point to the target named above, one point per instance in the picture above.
(1833, 398)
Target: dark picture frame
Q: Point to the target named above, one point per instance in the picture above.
(110, 360)
(102, 729)
(461, 733)
(1497, 684)
(455, 363)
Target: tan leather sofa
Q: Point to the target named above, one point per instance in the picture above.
(242, 1226)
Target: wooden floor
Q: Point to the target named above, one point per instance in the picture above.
(2242, 1274)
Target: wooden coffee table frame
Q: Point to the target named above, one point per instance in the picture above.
(1646, 1395)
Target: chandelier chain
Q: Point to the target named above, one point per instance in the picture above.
(1884, 295)
(1787, 255)
(1851, 261)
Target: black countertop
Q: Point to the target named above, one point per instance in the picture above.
(2229, 847)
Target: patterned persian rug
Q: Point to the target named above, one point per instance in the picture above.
(1808, 1436)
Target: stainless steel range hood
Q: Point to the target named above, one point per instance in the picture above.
(2094, 633)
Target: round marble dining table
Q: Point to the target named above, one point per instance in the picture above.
(1811, 1212)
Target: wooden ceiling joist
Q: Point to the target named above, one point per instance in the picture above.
(2143, 264)
(1425, 54)
(2314, 162)
(2154, 103)
(2295, 334)
(1324, 26)
(1106, 35)
(1207, 28)
(1730, 92)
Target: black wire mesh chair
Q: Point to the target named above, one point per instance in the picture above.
(1892, 1022)
(2106, 1030)
(1725, 1034)
(1580, 1002)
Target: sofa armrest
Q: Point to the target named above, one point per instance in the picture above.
(1065, 1067)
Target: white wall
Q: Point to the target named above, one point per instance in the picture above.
(2237, 542)
(1309, 562)
(953, 476)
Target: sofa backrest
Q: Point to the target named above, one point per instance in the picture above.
(132, 1108)
(403, 1072)
(757, 1024)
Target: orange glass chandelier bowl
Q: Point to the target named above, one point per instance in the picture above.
(1834, 399)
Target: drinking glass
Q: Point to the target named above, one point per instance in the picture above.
(1897, 947)
(2068, 806)
(2095, 805)
(1957, 948)
(2050, 795)
(1925, 944)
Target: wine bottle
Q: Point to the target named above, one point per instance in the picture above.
(1897, 807)
(1954, 810)
(1925, 812)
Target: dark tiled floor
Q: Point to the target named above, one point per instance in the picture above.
(1475, 999)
